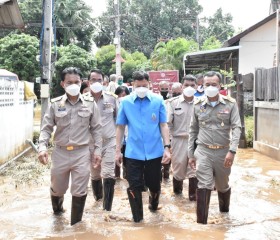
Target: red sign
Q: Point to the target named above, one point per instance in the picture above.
(169, 76)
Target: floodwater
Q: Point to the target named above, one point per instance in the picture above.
(25, 208)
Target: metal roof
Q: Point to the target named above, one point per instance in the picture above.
(10, 16)
(209, 59)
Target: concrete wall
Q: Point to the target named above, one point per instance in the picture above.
(258, 48)
(16, 119)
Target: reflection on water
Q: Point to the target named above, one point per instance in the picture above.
(254, 212)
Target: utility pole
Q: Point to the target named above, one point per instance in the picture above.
(46, 79)
(197, 31)
(117, 39)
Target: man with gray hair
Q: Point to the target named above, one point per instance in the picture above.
(176, 89)
(113, 83)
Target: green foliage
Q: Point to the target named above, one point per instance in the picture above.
(211, 43)
(18, 54)
(249, 130)
(168, 56)
(73, 21)
(71, 56)
(105, 56)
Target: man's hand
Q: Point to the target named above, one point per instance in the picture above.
(229, 160)
(96, 161)
(192, 162)
(43, 157)
(166, 158)
(118, 158)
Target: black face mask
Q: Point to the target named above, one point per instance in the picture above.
(176, 94)
(164, 95)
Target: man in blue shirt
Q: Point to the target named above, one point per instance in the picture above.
(147, 144)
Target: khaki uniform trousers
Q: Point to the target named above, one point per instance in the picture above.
(210, 170)
(107, 168)
(64, 163)
(179, 159)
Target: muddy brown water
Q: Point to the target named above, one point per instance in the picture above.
(25, 209)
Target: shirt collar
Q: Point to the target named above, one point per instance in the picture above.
(220, 100)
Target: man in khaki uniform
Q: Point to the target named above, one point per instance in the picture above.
(216, 126)
(107, 104)
(75, 119)
(179, 116)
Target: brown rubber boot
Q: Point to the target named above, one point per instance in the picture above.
(202, 199)
(224, 200)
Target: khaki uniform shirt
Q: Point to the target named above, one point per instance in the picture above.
(179, 114)
(74, 122)
(219, 125)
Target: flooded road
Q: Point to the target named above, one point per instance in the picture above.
(26, 213)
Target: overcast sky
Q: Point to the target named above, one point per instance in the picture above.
(245, 12)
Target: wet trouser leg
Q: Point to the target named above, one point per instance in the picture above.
(136, 204)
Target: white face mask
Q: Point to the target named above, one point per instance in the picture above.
(200, 88)
(96, 87)
(189, 91)
(73, 89)
(211, 91)
(141, 91)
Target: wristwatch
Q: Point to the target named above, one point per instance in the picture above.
(168, 146)
(233, 152)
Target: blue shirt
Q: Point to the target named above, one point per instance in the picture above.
(143, 117)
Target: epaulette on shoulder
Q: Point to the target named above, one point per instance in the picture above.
(112, 94)
(171, 99)
(56, 99)
(229, 98)
(199, 100)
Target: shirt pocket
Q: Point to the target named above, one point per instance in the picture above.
(62, 118)
(84, 117)
(223, 120)
(204, 121)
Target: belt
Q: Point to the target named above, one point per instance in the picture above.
(70, 148)
(215, 147)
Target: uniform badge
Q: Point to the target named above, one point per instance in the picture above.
(154, 117)
(61, 107)
(203, 108)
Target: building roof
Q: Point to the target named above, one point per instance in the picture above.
(10, 16)
(5, 74)
(235, 39)
(209, 59)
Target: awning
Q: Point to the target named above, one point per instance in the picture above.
(10, 16)
(209, 59)
(6, 75)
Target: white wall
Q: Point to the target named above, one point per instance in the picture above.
(16, 119)
(258, 48)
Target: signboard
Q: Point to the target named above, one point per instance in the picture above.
(169, 76)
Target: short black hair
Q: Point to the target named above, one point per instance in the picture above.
(96, 71)
(70, 70)
(84, 85)
(140, 75)
(189, 77)
(121, 89)
(212, 74)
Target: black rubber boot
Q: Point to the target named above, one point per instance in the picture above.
(203, 199)
(97, 189)
(224, 200)
(154, 201)
(109, 188)
(192, 188)
(165, 170)
(177, 186)
(136, 204)
(78, 204)
(117, 171)
(57, 204)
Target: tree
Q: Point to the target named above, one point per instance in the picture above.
(73, 21)
(71, 56)
(211, 43)
(219, 26)
(169, 56)
(18, 54)
(145, 22)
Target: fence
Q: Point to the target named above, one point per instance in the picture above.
(266, 112)
(16, 119)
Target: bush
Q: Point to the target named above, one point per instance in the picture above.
(249, 130)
